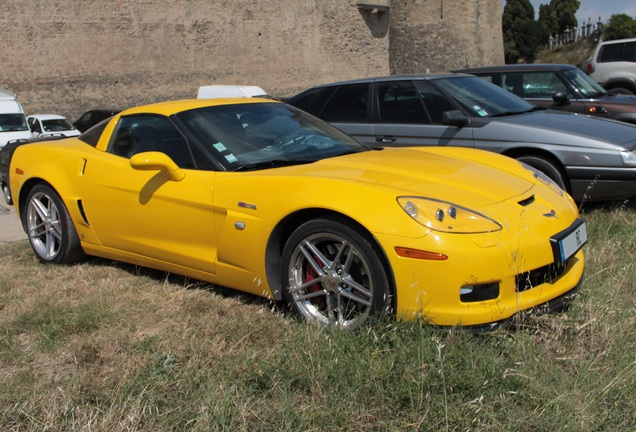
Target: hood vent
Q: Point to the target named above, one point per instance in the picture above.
(526, 202)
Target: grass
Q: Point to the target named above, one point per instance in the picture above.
(103, 346)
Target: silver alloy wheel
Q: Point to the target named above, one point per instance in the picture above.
(7, 194)
(330, 281)
(44, 228)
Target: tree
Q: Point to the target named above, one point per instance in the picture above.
(620, 26)
(521, 32)
(558, 16)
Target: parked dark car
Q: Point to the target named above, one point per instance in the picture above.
(592, 158)
(92, 117)
(561, 87)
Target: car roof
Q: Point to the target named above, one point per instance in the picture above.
(172, 107)
(386, 78)
(519, 68)
(47, 116)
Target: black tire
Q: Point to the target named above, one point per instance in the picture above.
(49, 227)
(351, 282)
(620, 90)
(7, 194)
(549, 168)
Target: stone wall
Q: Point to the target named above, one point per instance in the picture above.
(66, 56)
(442, 35)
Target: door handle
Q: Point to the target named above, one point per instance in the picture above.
(385, 139)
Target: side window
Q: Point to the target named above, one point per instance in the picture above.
(542, 85)
(611, 53)
(436, 103)
(487, 78)
(400, 102)
(348, 103)
(630, 52)
(142, 133)
(513, 82)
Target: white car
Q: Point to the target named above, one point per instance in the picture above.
(51, 125)
(613, 65)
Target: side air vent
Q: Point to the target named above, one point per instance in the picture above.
(527, 201)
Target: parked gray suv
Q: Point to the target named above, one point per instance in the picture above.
(613, 65)
(591, 158)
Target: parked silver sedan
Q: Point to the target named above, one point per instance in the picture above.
(591, 158)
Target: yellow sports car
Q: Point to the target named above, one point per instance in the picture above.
(258, 196)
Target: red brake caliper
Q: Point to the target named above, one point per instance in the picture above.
(310, 274)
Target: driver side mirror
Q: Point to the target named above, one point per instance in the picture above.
(454, 118)
(157, 161)
(560, 98)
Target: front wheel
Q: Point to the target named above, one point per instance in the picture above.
(334, 275)
(50, 229)
(548, 168)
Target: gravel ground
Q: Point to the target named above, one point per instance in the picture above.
(10, 227)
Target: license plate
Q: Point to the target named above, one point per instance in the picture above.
(569, 241)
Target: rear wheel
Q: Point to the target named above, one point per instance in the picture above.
(7, 194)
(50, 229)
(547, 167)
(334, 276)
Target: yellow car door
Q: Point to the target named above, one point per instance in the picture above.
(145, 212)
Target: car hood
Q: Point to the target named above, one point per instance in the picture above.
(555, 127)
(464, 176)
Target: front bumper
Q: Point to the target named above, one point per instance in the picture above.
(508, 259)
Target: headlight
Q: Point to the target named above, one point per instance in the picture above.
(543, 178)
(629, 158)
(446, 217)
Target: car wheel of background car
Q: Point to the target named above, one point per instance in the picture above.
(50, 228)
(620, 90)
(7, 194)
(548, 168)
(335, 277)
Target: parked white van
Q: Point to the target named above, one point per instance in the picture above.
(13, 124)
(230, 91)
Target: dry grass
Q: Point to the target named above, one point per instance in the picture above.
(103, 346)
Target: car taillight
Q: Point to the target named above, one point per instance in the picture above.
(590, 68)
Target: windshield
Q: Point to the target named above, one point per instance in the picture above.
(481, 98)
(13, 122)
(585, 85)
(264, 135)
(56, 125)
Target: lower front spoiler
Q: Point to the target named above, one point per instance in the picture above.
(555, 305)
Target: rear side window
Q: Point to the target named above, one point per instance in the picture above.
(312, 100)
(348, 104)
(91, 136)
(624, 51)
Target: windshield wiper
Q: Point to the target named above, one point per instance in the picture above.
(506, 113)
(273, 163)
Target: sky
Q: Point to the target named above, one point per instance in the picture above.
(595, 8)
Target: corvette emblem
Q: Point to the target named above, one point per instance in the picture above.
(552, 213)
(246, 205)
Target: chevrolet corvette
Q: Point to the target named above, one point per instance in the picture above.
(258, 196)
